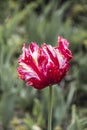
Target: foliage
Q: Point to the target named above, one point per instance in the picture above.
(43, 21)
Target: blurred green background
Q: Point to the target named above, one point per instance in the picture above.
(23, 108)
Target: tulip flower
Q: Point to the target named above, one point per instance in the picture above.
(44, 66)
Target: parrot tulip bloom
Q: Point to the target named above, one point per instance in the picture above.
(45, 65)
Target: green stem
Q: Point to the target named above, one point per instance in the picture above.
(50, 108)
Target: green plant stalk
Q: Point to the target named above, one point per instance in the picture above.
(50, 108)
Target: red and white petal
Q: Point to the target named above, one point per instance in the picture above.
(60, 58)
(50, 51)
(63, 48)
(34, 51)
(27, 71)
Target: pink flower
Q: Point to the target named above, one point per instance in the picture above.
(45, 65)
